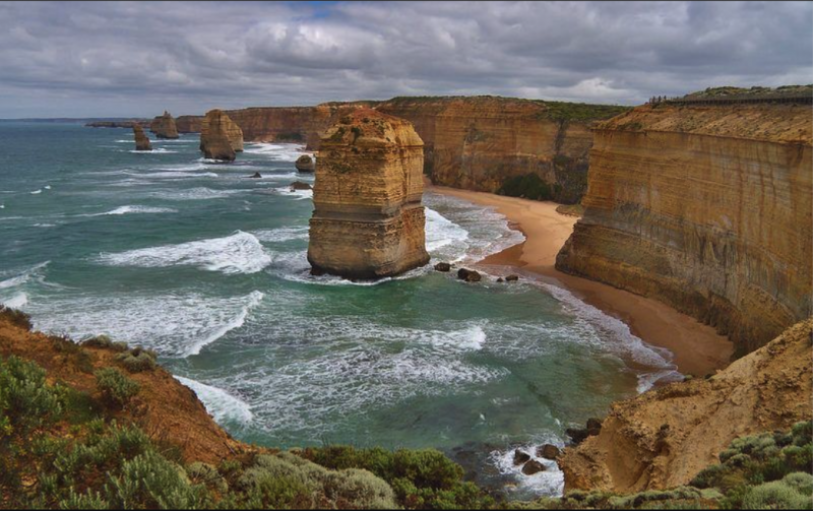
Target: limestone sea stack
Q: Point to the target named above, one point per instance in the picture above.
(305, 164)
(141, 140)
(164, 126)
(220, 137)
(368, 221)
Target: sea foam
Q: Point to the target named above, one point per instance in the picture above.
(239, 253)
(223, 406)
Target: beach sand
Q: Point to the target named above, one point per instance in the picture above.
(698, 349)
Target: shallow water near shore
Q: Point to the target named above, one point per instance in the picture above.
(193, 259)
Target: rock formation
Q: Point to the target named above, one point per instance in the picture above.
(663, 438)
(220, 137)
(305, 164)
(142, 142)
(368, 221)
(163, 126)
(706, 208)
(483, 143)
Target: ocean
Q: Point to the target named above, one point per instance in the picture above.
(194, 260)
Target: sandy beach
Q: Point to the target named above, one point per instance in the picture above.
(697, 348)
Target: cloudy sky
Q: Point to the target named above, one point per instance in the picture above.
(74, 59)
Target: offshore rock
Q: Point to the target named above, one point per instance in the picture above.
(142, 142)
(368, 221)
(219, 136)
(163, 126)
(305, 164)
(708, 209)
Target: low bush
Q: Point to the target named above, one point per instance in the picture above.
(776, 495)
(26, 401)
(116, 389)
(15, 317)
(138, 360)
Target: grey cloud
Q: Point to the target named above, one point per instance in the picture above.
(138, 58)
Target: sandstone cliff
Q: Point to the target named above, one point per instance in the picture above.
(706, 208)
(220, 137)
(663, 438)
(189, 123)
(142, 142)
(164, 126)
(482, 143)
(368, 221)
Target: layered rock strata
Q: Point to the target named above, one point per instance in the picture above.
(708, 209)
(163, 126)
(142, 142)
(482, 143)
(663, 438)
(368, 221)
(220, 137)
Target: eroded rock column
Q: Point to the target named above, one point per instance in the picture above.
(220, 137)
(368, 221)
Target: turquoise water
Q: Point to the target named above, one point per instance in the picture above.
(194, 260)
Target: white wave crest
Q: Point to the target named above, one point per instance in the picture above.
(282, 234)
(24, 276)
(127, 210)
(176, 326)
(550, 483)
(278, 151)
(440, 231)
(200, 193)
(239, 253)
(220, 404)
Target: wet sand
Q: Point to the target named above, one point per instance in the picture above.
(698, 349)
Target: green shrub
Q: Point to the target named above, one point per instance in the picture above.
(530, 186)
(800, 481)
(360, 487)
(150, 481)
(26, 400)
(203, 473)
(116, 389)
(106, 343)
(803, 433)
(90, 500)
(776, 495)
(138, 360)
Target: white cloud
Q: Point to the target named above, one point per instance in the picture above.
(83, 59)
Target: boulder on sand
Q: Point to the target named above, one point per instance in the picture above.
(444, 267)
(299, 185)
(468, 275)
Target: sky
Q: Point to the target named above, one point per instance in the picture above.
(137, 59)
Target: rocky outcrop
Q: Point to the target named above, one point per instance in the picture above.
(663, 438)
(706, 208)
(144, 123)
(483, 143)
(163, 126)
(305, 164)
(189, 123)
(220, 137)
(368, 221)
(142, 142)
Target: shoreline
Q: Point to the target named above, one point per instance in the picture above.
(697, 349)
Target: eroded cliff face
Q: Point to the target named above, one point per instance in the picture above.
(663, 438)
(164, 126)
(479, 143)
(368, 221)
(189, 123)
(708, 209)
(220, 137)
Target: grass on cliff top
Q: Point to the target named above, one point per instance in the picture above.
(725, 91)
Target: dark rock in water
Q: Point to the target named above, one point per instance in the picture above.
(141, 140)
(305, 164)
(256, 175)
(299, 185)
(593, 424)
(521, 457)
(533, 467)
(547, 451)
(445, 267)
(468, 275)
(500, 280)
(512, 278)
(580, 435)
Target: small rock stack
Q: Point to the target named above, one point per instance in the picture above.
(141, 140)
(164, 126)
(220, 137)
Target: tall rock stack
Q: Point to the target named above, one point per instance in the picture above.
(141, 140)
(368, 221)
(164, 126)
(220, 137)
